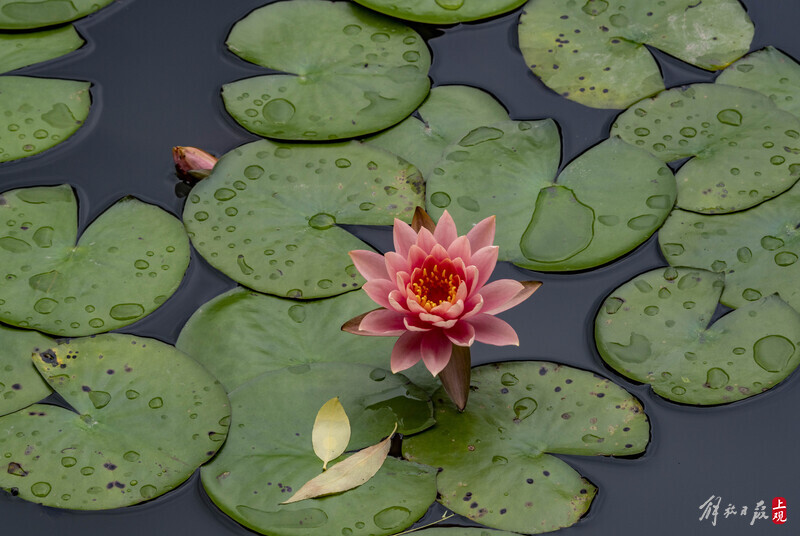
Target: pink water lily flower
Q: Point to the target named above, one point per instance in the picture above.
(434, 294)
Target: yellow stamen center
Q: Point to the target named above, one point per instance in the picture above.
(434, 287)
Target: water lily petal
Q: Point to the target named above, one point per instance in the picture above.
(498, 293)
(438, 253)
(396, 301)
(369, 264)
(491, 330)
(406, 351)
(436, 349)
(460, 249)
(378, 290)
(528, 288)
(472, 306)
(427, 317)
(426, 241)
(485, 260)
(384, 322)
(482, 234)
(462, 334)
(413, 323)
(445, 231)
(416, 257)
(395, 264)
(445, 324)
(404, 237)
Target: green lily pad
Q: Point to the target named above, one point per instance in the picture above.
(40, 113)
(27, 14)
(441, 11)
(446, 116)
(756, 249)
(241, 334)
(20, 384)
(269, 455)
(123, 267)
(655, 329)
(495, 458)
(593, 51)
(745, 148)
(21, 49)
(610, 199)
(267, 215)
(112, 451)
(350, 72)
(770, 72)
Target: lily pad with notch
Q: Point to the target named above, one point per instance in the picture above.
(22, 49)
(593, 51)
(756, 249)
(449, 113)
(123, 267)
(745, 149)
(655, 329)
(496, 459)
(351, 72)
(442, 11)
(40, 113)
(603, 204)
(20, 383)
(110, 452)
(267, 214)
(770, 72)
(269, 455)
(242, 334)
(28, 14)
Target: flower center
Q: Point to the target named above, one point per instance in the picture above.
(434, 286)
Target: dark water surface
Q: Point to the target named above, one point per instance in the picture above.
(157, 68)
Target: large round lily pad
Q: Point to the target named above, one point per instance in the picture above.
(605, 203)
(269, 454)
(114, 451)
(241, 334)
(26, 14)
(20, 384)
(267, 215)
(445, 117)
(349, 72)
(21, 49)
(655, 329)
(757, 249)
(39, 113)
(770, 72)
(593, 51)
(123, 267)
(495, 458)
(745, 148)
(442, 11)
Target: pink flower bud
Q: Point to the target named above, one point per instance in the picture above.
(192, 164)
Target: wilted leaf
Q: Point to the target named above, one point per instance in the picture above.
(347, 474)
(331, 432)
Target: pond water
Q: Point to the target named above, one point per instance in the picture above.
(156, 70)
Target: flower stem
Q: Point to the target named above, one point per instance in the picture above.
(455, 376)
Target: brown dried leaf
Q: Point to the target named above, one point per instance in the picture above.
(347, 474)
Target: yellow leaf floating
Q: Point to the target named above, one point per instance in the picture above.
(348, 473)
(331, 432)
